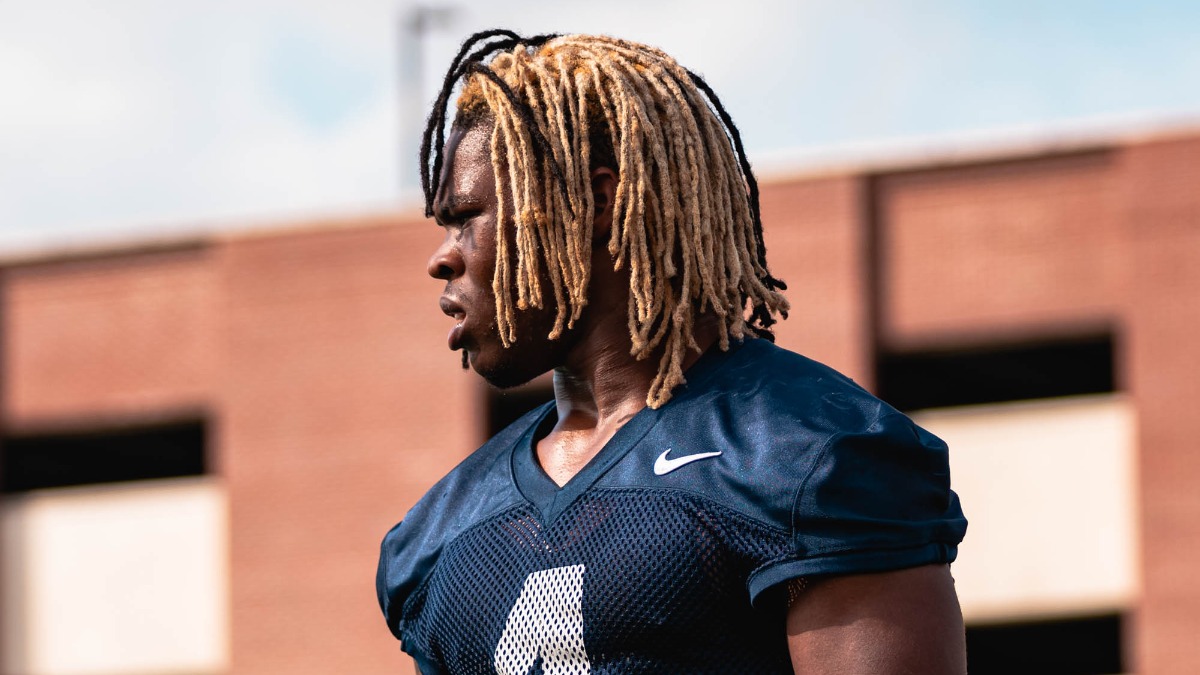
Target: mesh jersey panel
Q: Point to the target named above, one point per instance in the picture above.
(629, 569)
(663, 591)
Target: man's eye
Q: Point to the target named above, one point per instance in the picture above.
(465, 219)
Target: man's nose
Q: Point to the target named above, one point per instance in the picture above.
(445, 264)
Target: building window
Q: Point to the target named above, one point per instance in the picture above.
(1076, 646)
(1042, 448)
(50, 460)
(113, 553)
(995, 373)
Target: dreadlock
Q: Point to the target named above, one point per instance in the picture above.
(686, 218)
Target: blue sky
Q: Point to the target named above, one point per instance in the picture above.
(135, 117)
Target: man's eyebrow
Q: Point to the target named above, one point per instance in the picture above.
(452, 204)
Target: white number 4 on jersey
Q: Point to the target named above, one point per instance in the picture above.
(546, 621)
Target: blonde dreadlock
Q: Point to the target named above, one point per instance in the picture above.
(685, 218)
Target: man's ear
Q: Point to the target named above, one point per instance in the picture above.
(604, 194)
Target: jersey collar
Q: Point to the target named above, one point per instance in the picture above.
(551, 500)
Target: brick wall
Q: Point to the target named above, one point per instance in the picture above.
(816, 242)
(1161, 211)
(113, 337)
(1009, 247)
(340, 407)
(319, 356)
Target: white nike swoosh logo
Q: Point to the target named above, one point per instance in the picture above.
(663, 466)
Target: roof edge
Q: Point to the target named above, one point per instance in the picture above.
(971, 147)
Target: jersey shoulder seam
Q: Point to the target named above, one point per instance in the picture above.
(821, 452)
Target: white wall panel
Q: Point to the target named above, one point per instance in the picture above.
(1048, 489)
(128, 578)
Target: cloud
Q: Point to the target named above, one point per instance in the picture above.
(142, 116)
(137, 116)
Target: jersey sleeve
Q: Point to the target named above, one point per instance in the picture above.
(873, 499)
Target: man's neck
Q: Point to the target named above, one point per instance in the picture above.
(596, 392)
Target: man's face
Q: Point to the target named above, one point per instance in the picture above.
(466, 208)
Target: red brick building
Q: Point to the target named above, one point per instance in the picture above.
(306, 373)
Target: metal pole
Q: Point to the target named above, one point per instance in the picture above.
(415, 22)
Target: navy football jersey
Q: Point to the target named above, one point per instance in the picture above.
(667, 553)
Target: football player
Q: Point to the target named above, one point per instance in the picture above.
(695, 499)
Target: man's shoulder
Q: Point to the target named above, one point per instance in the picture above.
(748, 429)
(856, 484)
(769, 385)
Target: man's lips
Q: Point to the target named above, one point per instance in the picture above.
(455, 311)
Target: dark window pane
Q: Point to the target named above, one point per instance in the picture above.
(79, 458)
(996, 373)
(1075, 646)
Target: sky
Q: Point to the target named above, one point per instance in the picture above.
(134, 118)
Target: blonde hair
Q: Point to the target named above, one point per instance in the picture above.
(685, 217)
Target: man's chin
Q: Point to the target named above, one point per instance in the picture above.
(502, 373)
